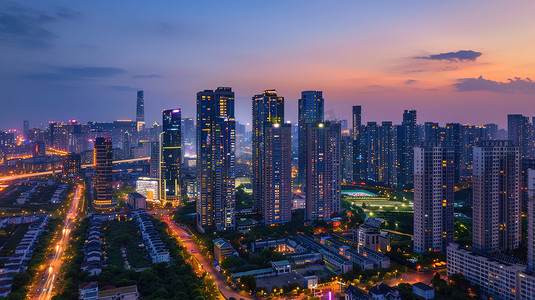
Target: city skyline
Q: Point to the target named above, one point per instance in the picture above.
(79, 63)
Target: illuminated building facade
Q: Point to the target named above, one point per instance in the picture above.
(357, 143)
(324, 183)
(277, 173)
(268, 107)
(103, 177)
(434, 183)
(170, 156)
(72, 165)
(310, 111)
(148, 187)
(140, 111)
(216, 147)
(496, 196)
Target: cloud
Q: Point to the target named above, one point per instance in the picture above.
(461, 55)
(147, 76)
(76, 73)
(515, 85)
(411, 81)
(25, 27)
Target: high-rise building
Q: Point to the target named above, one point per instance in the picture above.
(26, 129)
(431, 132)
(310, 111)
(519, 133)
(407, 140)
(268, 108)
(434, 183)
(386, 149)
(531, 220)
(453, 140)
(170, 156)
(346, 149)
(357, 127)
(155, 159)
(140, 111)
(496, 196)
(72, 165)
(277, 173)
(370, 151)
(216, 147)
(103, 177)
(323, 174)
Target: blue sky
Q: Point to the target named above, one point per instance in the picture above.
(450, 60)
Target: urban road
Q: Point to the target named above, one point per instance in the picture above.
(44, 173)
(208, 266)
(44, 286)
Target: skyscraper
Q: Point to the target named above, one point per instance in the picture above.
(407, 138)
(26, 129)
(531, 219)
(519, 133)
(103, 178)
(453, 139)
(170, 156)
(323, 174)
(434, 173)
(346, 150)
(386, 153)
(140, 111)
(268, 108)
(155, 159)
(310, 111)
(277, 173)
(216, 147)
(431, 132)
(370, 152)
(357, 127)
(496, 196)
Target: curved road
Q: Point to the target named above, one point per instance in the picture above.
(206, 265)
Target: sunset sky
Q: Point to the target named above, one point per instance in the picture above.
(453, 61)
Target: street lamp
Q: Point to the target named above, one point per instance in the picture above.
(314, 289)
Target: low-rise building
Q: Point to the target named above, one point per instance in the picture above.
(281, 266)
(222, 249)
(384, 292)
(495, 277)
(354, 293)
(423, 290)
(137, 201)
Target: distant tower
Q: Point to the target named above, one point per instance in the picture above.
(453, 139)
(170, 156)
(26, 129)
(407, 138)
(357, 140)
(519, 133)
(140, 111)
(277, 173)
(216, 148)
(310, 111)
(496, 196)
(268, 108)
(433, 197)
(531, 219)
(103, 178)
(323, 174)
